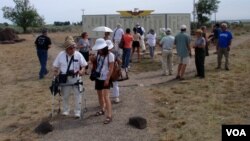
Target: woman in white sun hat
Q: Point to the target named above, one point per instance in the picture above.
(104, 66)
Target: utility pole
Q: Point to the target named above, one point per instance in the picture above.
(194, 14)
(194, 11)
(83, 18)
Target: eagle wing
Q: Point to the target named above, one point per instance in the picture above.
(139, 13)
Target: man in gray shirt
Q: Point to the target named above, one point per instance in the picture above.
(182, 42)
(167, 43)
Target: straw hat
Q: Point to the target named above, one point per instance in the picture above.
(199, 31)
(69, 43)
(69, 38)
(100, 43)
(110, 44)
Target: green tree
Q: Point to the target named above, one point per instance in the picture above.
(23, 15)
(205, 8)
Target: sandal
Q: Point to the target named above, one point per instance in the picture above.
(107, 120)
(99, 113)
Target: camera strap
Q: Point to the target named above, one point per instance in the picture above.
(99, 58)
(72, 58)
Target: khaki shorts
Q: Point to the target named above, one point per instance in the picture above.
(183, 60)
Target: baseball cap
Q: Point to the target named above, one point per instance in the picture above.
(183, 26)
(168, 30)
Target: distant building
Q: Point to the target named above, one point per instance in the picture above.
(154, 21)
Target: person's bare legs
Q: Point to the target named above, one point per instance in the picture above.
(132, 54)
(138, 53)
(182, 71)
(101, 99)
(179, 71)
(107, 102)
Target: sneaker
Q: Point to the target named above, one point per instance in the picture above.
(227, 69)
(77, 115)
(116, 100)
(66, 113)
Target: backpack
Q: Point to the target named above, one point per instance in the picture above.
(139, 30)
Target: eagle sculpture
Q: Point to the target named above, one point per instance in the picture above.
(135, 13)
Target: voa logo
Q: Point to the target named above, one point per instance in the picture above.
(236, 132)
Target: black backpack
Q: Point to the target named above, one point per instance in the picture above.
(140, 31)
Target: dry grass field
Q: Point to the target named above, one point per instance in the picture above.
(192, 110)
(195, 109)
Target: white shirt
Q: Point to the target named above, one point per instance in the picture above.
(167, 42)
(105, 68)
(117, 34)
(62, 60)
(151, 39)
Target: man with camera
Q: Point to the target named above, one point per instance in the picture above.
(69, 66)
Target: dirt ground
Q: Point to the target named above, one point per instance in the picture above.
(189, 110)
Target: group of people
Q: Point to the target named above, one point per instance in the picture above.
(133, 42)
(73, 61)
(222, 39)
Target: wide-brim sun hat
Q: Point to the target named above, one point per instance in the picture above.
(110, 44)
(102, 29)
(69, 43)
(100, 43)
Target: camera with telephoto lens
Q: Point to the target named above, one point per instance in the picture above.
(71, 73)
(94, 75)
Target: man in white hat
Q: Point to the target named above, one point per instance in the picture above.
(69, 64)
(117, 36)
(182, 42)
(167, 43)
(141, 30)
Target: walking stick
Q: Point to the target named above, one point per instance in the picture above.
(53, 96)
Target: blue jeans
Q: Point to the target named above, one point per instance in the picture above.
(126, 57)
(152, 51)
(43, 57)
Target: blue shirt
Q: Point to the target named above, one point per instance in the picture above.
(182, 41)
(225, 38)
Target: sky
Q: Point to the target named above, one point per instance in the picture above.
(72, 10)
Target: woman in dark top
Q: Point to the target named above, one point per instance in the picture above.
(84, 47)
(199, 47)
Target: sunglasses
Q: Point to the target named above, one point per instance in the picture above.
(71, 48)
